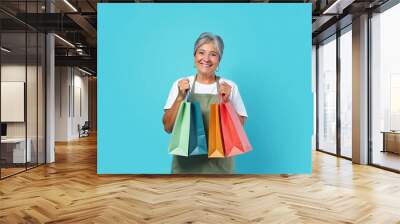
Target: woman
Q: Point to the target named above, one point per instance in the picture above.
(208, 50)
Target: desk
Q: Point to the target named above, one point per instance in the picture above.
(15, 148)
(391, 141)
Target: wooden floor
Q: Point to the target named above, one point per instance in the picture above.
(5, 172)
(387, 159)
(70, 191)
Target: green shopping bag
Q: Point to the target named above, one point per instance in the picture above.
(179, 143)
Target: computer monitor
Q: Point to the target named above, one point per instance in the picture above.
(3, 129)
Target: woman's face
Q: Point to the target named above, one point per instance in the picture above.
(206, 59)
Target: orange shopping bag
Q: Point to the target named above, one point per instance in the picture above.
(235, 139)
(215, 145)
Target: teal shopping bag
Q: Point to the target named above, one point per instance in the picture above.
(197, 139)
(179, 143)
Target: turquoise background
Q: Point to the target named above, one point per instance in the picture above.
(144, 48)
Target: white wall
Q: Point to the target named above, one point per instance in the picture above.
(62, 81)
(71, 94)
(15, 72)
(9, 73)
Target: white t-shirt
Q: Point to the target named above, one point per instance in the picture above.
(234, 98)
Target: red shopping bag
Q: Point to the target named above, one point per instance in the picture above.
(234, 136)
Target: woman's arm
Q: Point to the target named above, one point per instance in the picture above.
(170, 114)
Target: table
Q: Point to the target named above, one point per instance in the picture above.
(391, 141)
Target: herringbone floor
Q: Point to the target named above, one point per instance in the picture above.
(70, 191)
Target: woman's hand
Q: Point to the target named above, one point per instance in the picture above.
(183, 87)
(170, 114)
(225, 89)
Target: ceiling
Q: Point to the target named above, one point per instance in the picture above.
(76, 22)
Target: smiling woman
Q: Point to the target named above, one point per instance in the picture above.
(154, 74)
(206, 88)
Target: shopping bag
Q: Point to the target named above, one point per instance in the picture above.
(179, 143)
(234, 137)
(215, 145)
(197, 139)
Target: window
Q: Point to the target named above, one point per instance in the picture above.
(346, 93)
(327, 95)
(385, 88)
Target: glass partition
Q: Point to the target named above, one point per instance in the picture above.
(22, 77)
(14, 153)
(327, 95)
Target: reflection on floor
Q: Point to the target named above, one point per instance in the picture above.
(10, 169)
(386, 159)
(346, 152)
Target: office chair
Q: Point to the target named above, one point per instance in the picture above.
(84, 130)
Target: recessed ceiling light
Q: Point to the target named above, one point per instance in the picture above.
(337, 7)
(84, 71)
(5, 50)
(64, 40)
(71, 6)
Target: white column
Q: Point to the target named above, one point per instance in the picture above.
(360, 90)
(50, 92)
(50, 100)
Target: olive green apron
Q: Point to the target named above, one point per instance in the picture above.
(201, 164)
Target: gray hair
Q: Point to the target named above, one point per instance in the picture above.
(207, 37)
